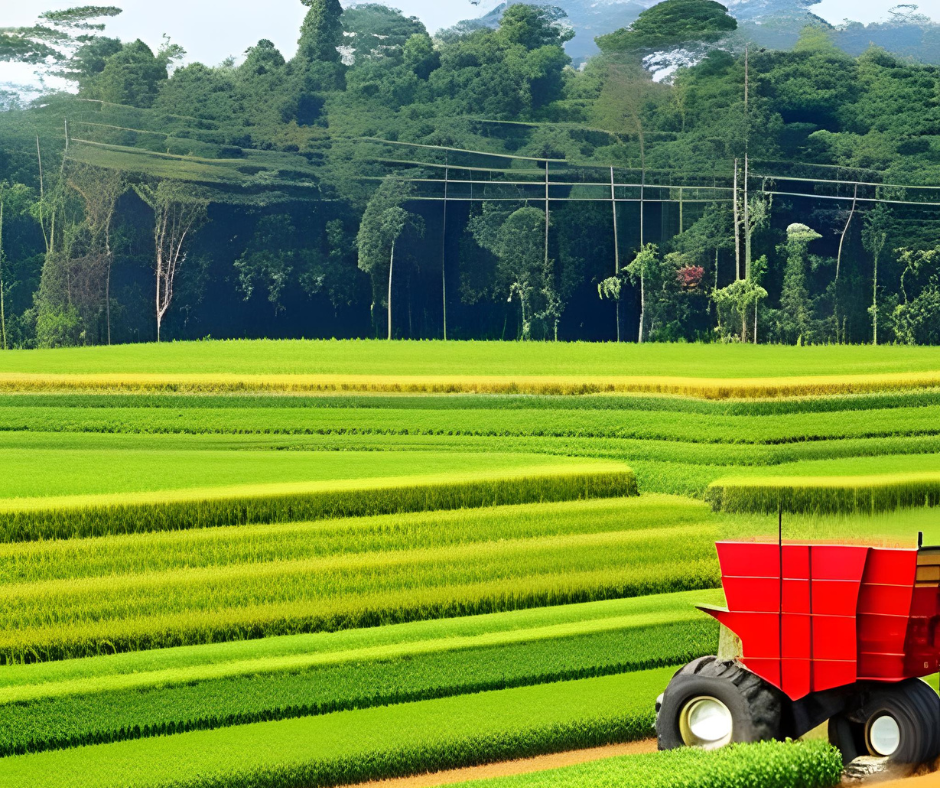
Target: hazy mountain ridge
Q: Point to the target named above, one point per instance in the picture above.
(771, 23)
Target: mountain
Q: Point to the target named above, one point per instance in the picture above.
(775, 24)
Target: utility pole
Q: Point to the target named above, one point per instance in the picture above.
(613, 205)
(444, 246)
(546, 216)
(747, 139)
(737, 227)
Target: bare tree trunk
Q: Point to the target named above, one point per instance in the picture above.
(874, 304)
(835, 294)
(642, 307)
(391, 268)
(755, 324)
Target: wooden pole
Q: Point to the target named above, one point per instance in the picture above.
(444, 251)
(737, 227)
(613, 205)
(546, 216)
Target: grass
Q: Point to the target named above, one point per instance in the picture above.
(79, 598)
(26, 519)
(591, 640)
(768, 764)
(86, 470)
(860, 484)
(352, 746)
(517, 422)
(378, 358)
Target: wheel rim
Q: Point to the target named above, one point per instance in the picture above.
(706, 722)
(883, 736)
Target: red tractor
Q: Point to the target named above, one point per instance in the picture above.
(842, 633)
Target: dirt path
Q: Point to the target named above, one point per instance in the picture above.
(506, 768)
(924, 781)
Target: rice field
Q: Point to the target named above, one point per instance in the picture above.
(316, 563)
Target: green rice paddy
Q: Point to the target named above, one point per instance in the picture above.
(265, 588)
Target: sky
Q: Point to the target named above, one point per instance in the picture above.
(210, 36)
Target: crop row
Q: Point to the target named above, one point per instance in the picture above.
(230, 659)
(35, 467)
(393, 535)
(353, 746)
(827, 494)
(436, 383)
(75, 617)
(622, 404)
(68, 517)
(809, 764)
(279, 689)
(646, 425)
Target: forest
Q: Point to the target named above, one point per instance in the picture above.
(384, 182)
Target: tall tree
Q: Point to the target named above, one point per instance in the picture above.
(100, 191)
(383, 223)
(520, 247)
(796, 319)
(642, 268)
(322, 32)
(177, 214)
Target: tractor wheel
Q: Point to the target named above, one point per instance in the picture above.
(711, 702)
(896, 721)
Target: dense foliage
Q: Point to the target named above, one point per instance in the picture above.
(245, 200)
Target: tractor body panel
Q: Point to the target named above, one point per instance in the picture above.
(814, 617)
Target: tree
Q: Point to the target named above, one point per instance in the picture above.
(534, 26)
(874, 237)
(132, 76)
(383, 223)
(321, 35)
(916, 319)
(177, 214)
(796, 320)
(268, 260)
(520, 248)
(100, 191)
(62, 43)
(670, 23)
(741, 299)
(643, 267)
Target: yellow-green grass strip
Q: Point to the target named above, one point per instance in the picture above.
(490, 358)
(136, 671)
(70, 466)
(705, 388)
(391, 536)
(825, 494)
(351, 746)
(63, 619)
(99, 515)
(451, 421)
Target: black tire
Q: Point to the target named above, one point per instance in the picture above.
(755, 706)
(914, 707)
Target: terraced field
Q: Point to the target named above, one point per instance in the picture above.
(211, 575)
